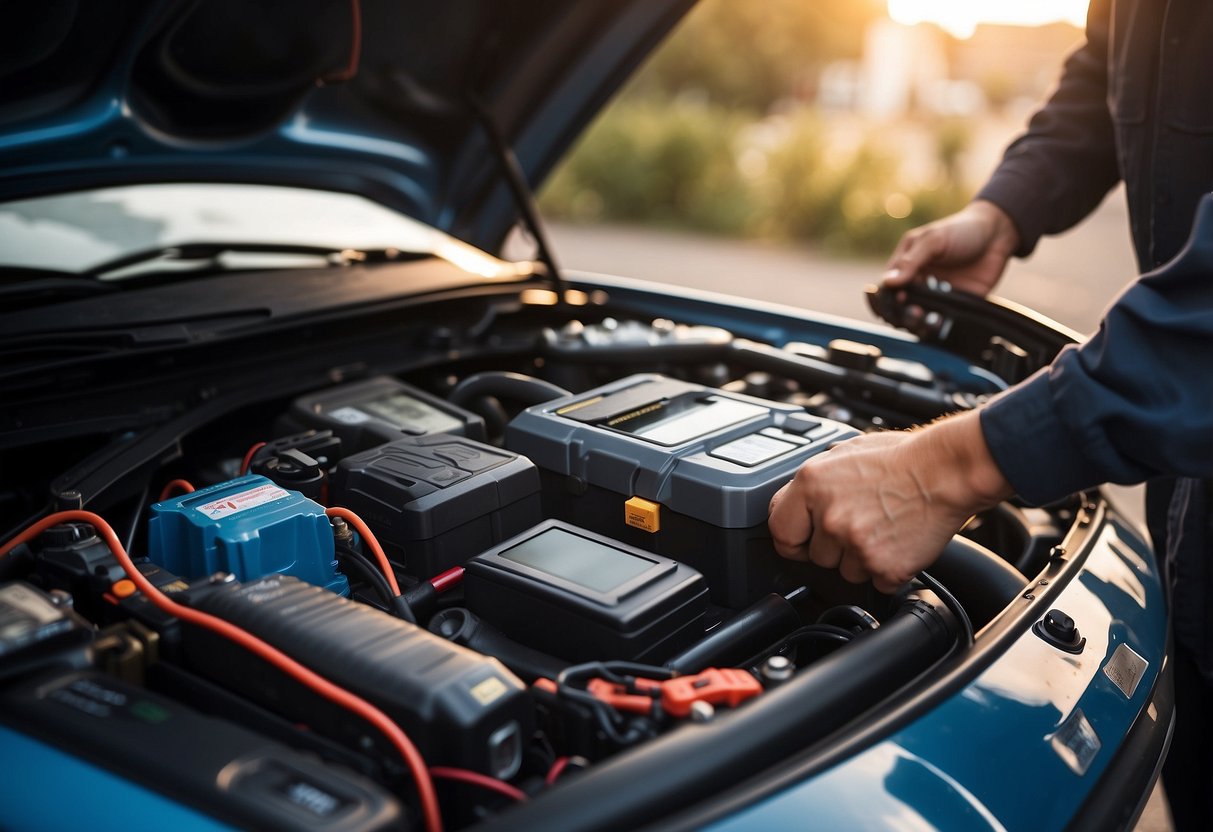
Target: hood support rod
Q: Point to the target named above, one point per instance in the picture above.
(524, 198)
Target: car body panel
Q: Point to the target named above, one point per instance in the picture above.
(32, 794)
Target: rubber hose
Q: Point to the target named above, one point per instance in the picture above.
(984, 582)
(514, 386)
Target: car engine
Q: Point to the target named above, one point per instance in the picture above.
(449, 589)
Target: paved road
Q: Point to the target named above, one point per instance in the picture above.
(1071, 278)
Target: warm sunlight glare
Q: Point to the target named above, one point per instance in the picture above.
(960, 17)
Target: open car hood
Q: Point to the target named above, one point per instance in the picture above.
(375, 97)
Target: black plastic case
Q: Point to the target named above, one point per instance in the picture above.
(434, 501)
(367, 413)
(36, 633)
(655, 611)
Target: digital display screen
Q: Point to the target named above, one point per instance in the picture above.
(688, 419)
(578, 560)
(408, 413)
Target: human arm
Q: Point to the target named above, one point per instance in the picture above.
(969, 249)
(882, 506)
(1059, 170)
(1133, 402)
(1050, 177)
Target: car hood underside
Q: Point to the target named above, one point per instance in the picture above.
(384, 98)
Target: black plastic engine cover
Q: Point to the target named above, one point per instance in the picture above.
(459, 707)
(434, 501)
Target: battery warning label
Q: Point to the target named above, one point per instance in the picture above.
(242, 501)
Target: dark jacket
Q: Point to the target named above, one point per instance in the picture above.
(1134, 103)
(1135, 402)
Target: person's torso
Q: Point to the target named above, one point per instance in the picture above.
(1160, 95)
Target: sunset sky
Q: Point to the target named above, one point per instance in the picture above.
(960, 17)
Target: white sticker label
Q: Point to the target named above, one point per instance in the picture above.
(236, 503)
(1125, 669)
(349, 415)
(1076, 742)
(489, 691)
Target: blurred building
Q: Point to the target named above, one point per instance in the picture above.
(922, 69)
(1014, 62)
(901, 64)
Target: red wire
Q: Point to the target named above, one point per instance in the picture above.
(556, 770)
(369, 538)
(477, 779)
(450, 578)
(248, 457)
(351, 68)
(317, 683)
(183, 486)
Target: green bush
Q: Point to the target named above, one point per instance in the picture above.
(665, 164)
(847, 203)
(677, 165)
(752, 55)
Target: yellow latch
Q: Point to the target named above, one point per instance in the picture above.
(642, 514)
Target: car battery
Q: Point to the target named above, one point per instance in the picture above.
(367, 413)
(434, 501)
(584, 597)
(678, 469)
(249, 527)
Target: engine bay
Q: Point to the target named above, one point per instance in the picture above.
(422, 597)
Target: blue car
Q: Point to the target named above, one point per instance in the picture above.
(320, 514)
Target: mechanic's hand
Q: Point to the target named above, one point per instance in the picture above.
(882, 506)
(969, 250)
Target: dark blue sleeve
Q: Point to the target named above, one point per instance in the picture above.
(1133, 402)
(1057, 172)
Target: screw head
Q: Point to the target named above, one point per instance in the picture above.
(60, 598)
(778, 669)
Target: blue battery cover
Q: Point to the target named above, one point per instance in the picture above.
(249, 527)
